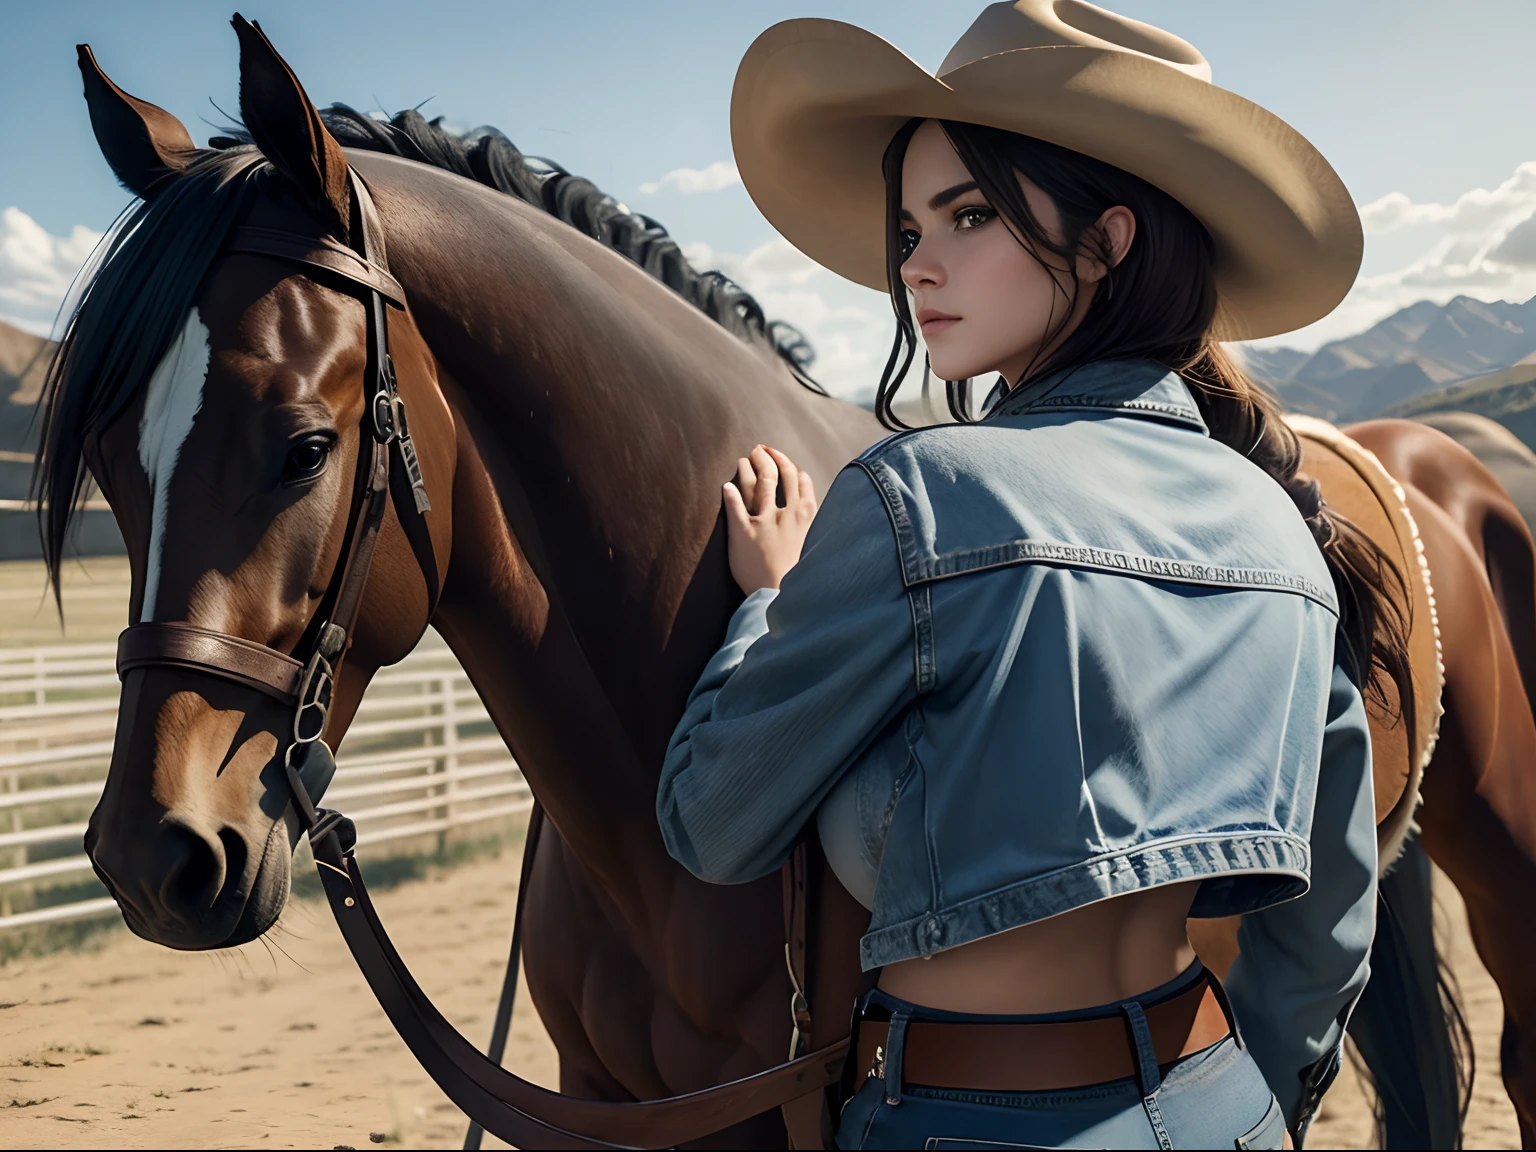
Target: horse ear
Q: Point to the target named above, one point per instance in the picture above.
(287, 128)
(144, 145)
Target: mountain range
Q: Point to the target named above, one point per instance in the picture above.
(1403, 364)
(23, 363)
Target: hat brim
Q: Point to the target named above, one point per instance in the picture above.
(816, 103)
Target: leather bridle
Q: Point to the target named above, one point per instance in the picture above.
(513, 1109)
(305, 682)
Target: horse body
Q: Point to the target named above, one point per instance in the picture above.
(1479, 812)
(583, 614)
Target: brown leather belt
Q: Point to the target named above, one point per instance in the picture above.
(1043, 1057)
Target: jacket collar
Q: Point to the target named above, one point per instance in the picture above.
(1130, 387)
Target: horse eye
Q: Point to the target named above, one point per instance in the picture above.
(306, 459)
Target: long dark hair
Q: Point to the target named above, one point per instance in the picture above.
(1158, 303)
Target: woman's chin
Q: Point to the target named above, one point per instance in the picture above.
(945, 368)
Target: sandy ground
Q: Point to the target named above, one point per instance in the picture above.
(129, 1045)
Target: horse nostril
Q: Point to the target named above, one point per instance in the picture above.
(195, 875)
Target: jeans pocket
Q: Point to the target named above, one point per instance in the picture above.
(1267, 1133)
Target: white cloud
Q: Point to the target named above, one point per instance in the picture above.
(849, 326)
(36, 269)
(1481, 245)
(720, 174)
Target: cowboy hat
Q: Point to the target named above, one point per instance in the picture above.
(816, 102)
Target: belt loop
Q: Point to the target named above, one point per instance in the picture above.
(1147, 1074)
(895, 1047)
(1226, 1009)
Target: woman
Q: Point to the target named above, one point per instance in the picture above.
(1052, 681)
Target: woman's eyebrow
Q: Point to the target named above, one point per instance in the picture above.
(949, 194)
(944, 197)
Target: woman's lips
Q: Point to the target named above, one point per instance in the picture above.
(932, 321)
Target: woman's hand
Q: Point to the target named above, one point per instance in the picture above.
(764, 540)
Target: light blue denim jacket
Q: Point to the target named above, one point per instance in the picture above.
(1076, 650)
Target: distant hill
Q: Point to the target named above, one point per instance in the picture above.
(1508, 397)
(23, 364)
(1417, 351)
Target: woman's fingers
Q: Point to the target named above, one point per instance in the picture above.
(746, 480)
(789, 474)
(735, 507)
(765, 492)
(807, 489)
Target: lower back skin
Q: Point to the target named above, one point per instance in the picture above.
(1097, 954)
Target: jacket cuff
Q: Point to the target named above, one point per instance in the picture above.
(750, 621)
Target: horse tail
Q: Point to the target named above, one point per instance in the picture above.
(1510, 557)
(1409, 1027)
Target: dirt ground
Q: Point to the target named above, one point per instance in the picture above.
(129, 1045)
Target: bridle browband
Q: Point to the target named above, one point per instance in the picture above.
(513, 1109)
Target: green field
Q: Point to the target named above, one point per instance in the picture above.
(95, 602)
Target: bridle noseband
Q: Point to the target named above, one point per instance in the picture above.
(306, 679)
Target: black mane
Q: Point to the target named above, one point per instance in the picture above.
(142, 279)
(486, 156)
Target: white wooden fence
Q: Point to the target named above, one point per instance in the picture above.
(420, 758)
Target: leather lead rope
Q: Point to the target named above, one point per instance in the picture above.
(504, 1006)
(510, 1107)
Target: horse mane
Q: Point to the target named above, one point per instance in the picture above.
(486, 156)
(137, 289)
(141, 281)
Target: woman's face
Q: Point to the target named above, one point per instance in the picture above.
(982, 301)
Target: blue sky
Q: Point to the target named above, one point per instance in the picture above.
(1418, 104)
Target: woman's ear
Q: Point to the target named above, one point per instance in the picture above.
(1106, 243)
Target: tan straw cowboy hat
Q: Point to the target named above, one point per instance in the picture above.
(817, 101)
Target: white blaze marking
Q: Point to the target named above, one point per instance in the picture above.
(174, 398)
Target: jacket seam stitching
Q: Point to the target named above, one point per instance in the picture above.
(964, 562)
(914, 928)
(901, 527)
(1189, 414)
(920, 599)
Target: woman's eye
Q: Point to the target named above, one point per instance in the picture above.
(968, 218)
(908, 240)
(306, 459)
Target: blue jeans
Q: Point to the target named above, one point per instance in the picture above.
(1214, 1098)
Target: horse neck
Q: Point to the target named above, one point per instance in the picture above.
(597, 414)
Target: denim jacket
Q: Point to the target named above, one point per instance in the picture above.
(1076, 650)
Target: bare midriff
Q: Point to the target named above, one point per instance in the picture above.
(1093, 955)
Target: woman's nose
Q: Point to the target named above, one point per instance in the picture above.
(922, 270)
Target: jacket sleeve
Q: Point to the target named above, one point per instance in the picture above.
(1303, 964)
(805, 680)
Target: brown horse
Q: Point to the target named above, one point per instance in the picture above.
(1479, 812)
(573, 418)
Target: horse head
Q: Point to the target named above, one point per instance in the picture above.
(218, 399)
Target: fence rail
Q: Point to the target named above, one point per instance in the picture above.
(421, 758)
